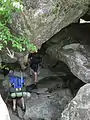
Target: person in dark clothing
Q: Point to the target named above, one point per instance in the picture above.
(34, 61)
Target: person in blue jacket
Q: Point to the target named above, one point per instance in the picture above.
(17, 90)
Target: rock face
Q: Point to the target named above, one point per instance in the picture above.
(71, 46)
(75, 56)
(47, 106)
(79, 107)
(4, 114)
(42, 19)
(17, 61)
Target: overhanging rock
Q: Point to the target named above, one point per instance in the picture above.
(42, 19)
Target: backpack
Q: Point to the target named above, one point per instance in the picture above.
(17, 86)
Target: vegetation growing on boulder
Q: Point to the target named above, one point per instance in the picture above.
(7, 38)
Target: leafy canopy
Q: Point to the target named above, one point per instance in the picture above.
(21, 43)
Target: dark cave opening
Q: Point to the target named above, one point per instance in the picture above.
(79, 33)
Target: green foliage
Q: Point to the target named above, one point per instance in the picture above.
(4, 67)
(7, 7)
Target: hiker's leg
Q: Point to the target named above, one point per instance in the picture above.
(34, 72)
(23, 103)
(35, 77)
(31, 72)
(14, 104)
(34, 68)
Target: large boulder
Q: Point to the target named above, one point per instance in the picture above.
(4, 113)
(71, 46)
(77, 58)
(14, 59)
(41, 19)
(47, 106)
(79, 107)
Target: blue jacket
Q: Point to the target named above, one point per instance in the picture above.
(17, 82)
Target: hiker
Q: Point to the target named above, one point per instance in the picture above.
(17, 90)
(34, 60)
